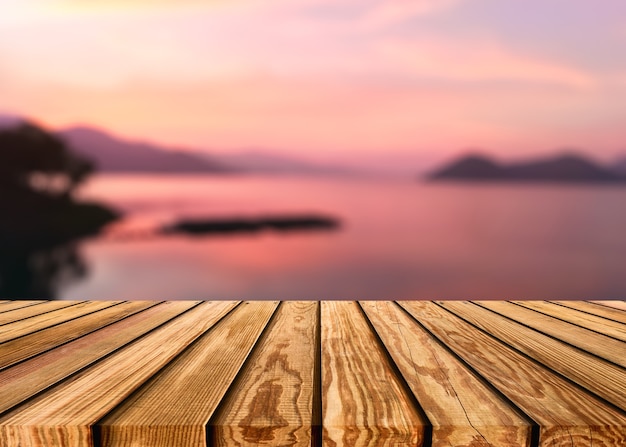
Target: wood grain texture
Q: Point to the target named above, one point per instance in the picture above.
(590, 341)
(594, 309)
(363, 402)
(592, 322)
(174, 407)
(21, 348)
(272, 399)
(567, 415)
(77, 369)
(31, 311)
(461, 408)
(621, 305)
(63, 415)
(33, 376)
(18, 329)
(12, 305)
(600, 377)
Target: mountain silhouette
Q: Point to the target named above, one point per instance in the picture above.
(111, 154)
(619, 165)
(563, 168)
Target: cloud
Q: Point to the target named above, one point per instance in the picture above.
(189, 45)
(391, 12)
(69, 6)
(315, 114)
(474, 61)
(29, 12)
(312, 73)
(183, 46)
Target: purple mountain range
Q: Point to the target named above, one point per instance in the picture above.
(112, 154)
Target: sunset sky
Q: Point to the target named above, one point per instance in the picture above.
(515, 77)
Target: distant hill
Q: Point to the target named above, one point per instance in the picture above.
(564, 168)
(112, 154)
(620, 165)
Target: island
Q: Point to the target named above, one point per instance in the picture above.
(567, 168)
(281, 223)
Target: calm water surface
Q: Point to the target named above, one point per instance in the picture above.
(399, 239)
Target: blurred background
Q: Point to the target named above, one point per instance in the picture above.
(313, 149)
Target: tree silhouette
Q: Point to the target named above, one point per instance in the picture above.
(33, 159)
(40, 220)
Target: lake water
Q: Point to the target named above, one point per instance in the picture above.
(399, 239)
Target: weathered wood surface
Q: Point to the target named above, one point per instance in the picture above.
(606, 380)
(332, 374)
(598, 324)
(64, 415)
(30, 325)
(593, 309)
(274, 399)
(5, 306)
(585, 339)
(183, 396)
(612, 304)
(20, 349)
(462, 409)
(566, 413)
(30, 377)
(30, 312)
(364, 402)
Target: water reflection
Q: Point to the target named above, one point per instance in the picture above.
(398, 240)
(39, 274)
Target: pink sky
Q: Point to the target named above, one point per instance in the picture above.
(325, 76)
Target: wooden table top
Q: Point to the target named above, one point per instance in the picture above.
(312, 373)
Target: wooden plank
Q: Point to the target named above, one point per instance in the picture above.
(594, 309)
(20, 328)
(462, 409)
(63, 415)
(21, 348)
(32, 311)
(272, 399)
(598, 376)
(33, 376)
(363, 401)
(590, 341)
(12, 305)
(567, 415)
(174, 407)
(597, 324)
(614, 304)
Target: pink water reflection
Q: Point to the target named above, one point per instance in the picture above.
(400, 239)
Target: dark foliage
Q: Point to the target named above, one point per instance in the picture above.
(40, 220)
(33, 159)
